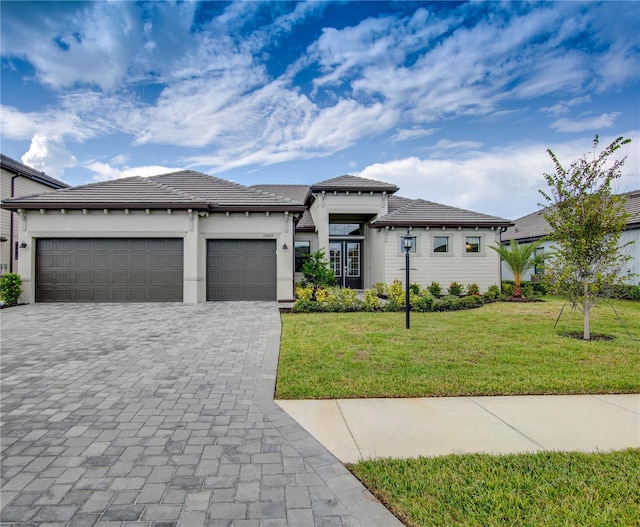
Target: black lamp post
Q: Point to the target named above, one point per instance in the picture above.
(407, 243)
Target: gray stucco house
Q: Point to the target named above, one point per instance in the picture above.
(191, 237)
(533, 227)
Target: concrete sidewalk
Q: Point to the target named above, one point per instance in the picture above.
(354, 429)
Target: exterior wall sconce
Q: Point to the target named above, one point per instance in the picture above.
(285, 247)
(23, 245)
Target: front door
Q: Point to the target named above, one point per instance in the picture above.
(345, 257)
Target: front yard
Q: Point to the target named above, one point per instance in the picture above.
(503, 348)
(499, 349)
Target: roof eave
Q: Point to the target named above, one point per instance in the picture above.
(440, 224)
(339, 188)
(105, 205)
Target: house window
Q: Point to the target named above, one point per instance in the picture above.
(472, 244)
(441, 244)
(346, 229)
(335, 258)
(414, 244)
(302, 250)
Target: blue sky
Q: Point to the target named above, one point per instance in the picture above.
(453, 102)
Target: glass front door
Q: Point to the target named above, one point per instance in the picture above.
(345, 259)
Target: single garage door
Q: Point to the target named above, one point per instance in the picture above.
(241, 270)
(109, 270)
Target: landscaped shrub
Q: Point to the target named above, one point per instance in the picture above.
(304, 292)
(307, 306)
(447, 303)
(344, 299)
(435, 289)
(529, 289)
(626, 292)
(455, 289)
(396, 297)
(381, 289)
(415, 289)
(371, 300)
(473, 289)
(470, 301)
(492, 294)
(10, 288)
(423, 304)
(507, 289)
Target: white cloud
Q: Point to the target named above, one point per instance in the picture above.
(503, 181)
(446, 144)
(105, 171)
(598, 122)
(408, 134)
(49, 155)
(563, 107)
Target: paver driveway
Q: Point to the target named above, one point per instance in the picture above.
(159, 415)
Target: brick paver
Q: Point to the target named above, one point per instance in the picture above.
(159, 415)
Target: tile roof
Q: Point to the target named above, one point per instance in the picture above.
(404, 212)
(295, 192)
(353, 184)
(226, 195)
(534, 226)
(18, 168)
(184, 189)
(305, 223)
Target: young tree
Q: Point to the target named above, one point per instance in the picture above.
(586, 222)
(519, 258)
(317, 272)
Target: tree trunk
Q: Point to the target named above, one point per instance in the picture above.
(517, 289)
(586, 309)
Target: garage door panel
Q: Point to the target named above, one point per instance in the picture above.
(109, 270)
(99, 245)
(100, 277)
(241, 270)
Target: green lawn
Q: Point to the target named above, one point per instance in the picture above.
(537, 490)
(501, 348)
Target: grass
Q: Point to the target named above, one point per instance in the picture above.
(478, 490)
(499, 349)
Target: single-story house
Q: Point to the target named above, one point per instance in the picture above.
(533, 227)
(191, 237)
(17, 179)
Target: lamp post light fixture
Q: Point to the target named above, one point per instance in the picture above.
(407, 242)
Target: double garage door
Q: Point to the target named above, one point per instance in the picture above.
(109, 270)
(150, 270)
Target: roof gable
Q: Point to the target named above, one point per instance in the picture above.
(404, 212)
(353, 184)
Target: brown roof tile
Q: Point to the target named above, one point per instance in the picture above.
(353, 183)
(406, 212)
(184, 189)
(295, 192)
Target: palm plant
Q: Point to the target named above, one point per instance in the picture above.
(520, 259)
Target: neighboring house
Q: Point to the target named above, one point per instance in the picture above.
(17, 180)
(533, 227)
(191, 237)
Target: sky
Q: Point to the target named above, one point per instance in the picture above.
(453, 102)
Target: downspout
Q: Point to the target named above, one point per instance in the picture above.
(11, 224)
